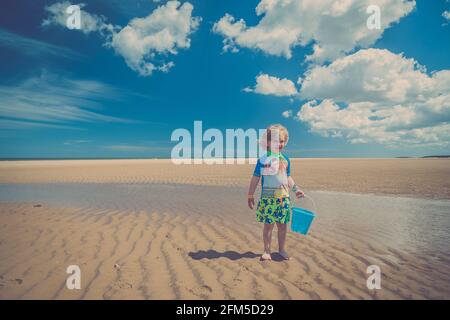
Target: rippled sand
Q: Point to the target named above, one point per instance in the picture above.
(145, 240)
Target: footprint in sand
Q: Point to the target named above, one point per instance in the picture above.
(123, 284)
(201, 291)
(303, 285)
(4, 281)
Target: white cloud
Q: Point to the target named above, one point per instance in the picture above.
(287, 114)
(269, 85)
(6, 124)
(334, 27)
(376, 95)
(33, 47)
(370, 74)
(162, 32)
(89, 22)
(55, 102)
(145, 42)
(446, 15)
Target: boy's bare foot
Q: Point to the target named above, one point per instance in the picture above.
(284, 255)
(266, 257)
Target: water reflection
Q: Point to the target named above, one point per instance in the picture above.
(409, 224)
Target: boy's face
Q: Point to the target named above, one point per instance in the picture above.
(281, 143)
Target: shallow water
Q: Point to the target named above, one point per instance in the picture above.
(406, 224)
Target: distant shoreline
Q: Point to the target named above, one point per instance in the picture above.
(167, 158)
(423, 177)
(101, 158)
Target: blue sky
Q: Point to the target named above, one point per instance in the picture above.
(68, 93)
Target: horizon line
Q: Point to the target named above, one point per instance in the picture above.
(246, 158)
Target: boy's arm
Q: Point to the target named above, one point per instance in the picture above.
(251, 191)
(291, 183)
(253, 184)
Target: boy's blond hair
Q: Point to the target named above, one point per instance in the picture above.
(282, 131)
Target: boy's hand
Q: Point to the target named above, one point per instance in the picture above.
(299, 193)
(251, 202)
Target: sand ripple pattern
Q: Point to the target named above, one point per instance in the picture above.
(176, 251)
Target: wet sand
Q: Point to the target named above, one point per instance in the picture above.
(165, 233)
(424, 178)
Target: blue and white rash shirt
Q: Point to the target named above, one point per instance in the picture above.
(274, 170)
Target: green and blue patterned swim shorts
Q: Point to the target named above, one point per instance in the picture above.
(271, 210)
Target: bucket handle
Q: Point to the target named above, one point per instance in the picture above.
(307, 196)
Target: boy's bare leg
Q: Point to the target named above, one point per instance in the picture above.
(267, 237)
(282, 230)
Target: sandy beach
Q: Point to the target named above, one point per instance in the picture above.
(426, 178)
(148, 229)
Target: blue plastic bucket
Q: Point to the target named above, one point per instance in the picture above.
(301, 220)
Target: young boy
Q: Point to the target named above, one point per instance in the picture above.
(274, 204)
